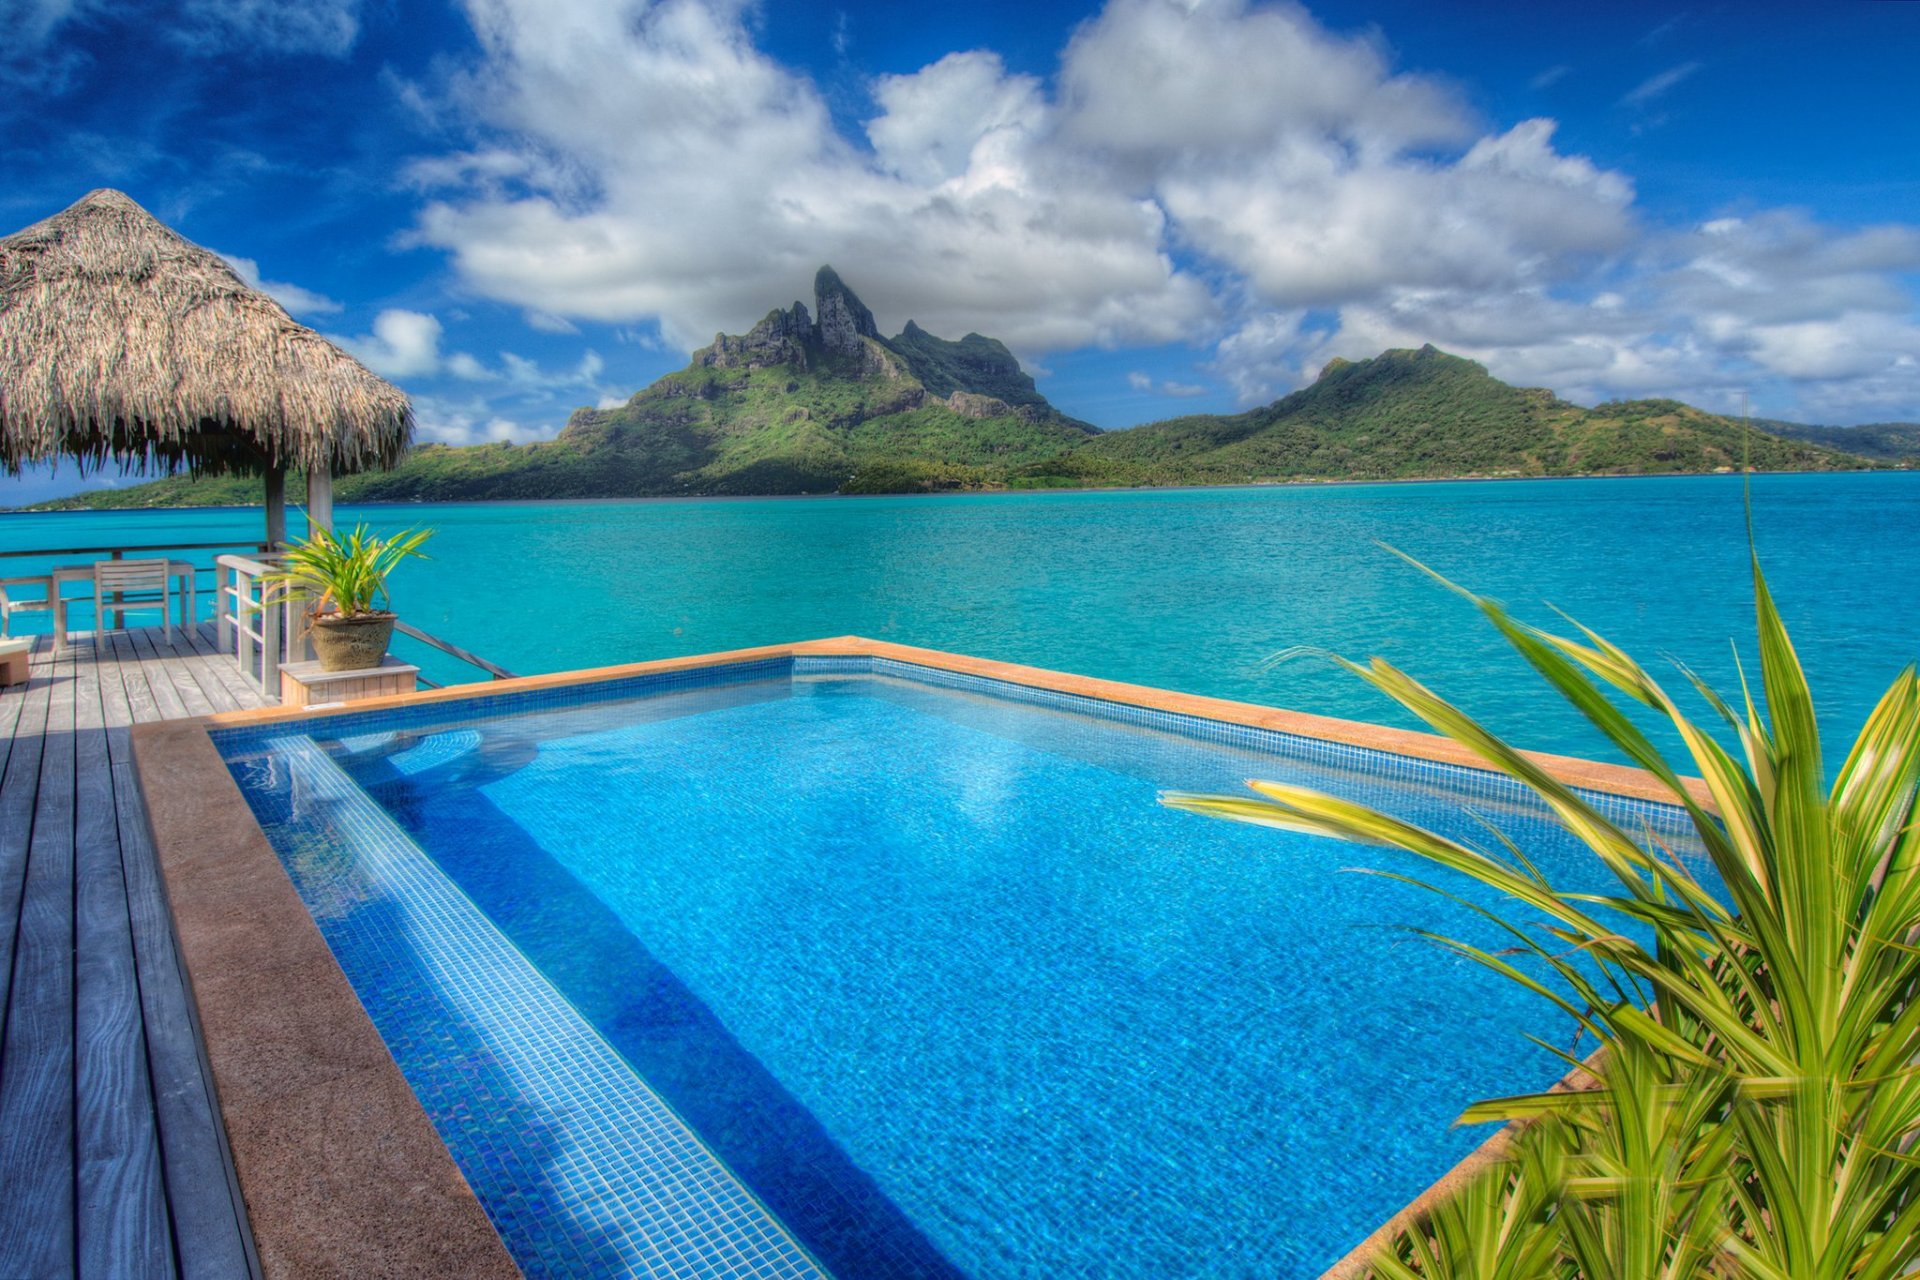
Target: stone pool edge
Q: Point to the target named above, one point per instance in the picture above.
(339, 1168)
(1593, 775)
(396, 1204)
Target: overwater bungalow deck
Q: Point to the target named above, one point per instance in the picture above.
(114, 1161)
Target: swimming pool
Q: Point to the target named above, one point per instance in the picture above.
(855, 966)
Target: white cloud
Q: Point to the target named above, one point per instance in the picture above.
(438, 421)
(937, 124)
(294, 298)
(1265, 355)
(462, 365)
(1160, 80)
(1209, 171)
(213, 27)
(547, 322)
(1144, 384)
(406, 344)
(29, 58)
(1658, 86)
(403, 344)
(633, 151)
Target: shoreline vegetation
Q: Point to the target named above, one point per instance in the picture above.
(74, 504)
(821, 403)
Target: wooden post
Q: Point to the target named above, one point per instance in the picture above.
(276, 505)
(270, 647)
(243, 646)
(319, 499)
(222, 605)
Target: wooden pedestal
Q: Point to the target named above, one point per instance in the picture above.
(13, 661)
(304, 684)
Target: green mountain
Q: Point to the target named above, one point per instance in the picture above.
(1411, 414)
(800, 403)
(822, 403)
(1882, 441)
(825, 404)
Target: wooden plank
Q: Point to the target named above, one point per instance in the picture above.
(121, 1211)
(237, 680)
(18, 788)
(160, 686)
(36, 1065)
(195, 665)
(216, 673)
(133, 683)
(209, 1224)
(228, 670)
(162, 665)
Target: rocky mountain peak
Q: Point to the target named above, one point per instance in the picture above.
(844, 319)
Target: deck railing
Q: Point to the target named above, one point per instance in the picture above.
(493, 672)
(247, 622)
(52, 557)
(261, 633)
(265, 630)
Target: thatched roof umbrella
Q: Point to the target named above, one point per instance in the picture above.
(122, 342)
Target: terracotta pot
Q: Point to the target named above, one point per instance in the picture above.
(352, 644)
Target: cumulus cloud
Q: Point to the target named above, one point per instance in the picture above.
(407, 345)
(1222, 172)
(645, 160)
(439, 421)
(403, 344)
(297, 300)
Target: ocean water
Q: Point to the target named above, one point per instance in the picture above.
(1184, 589)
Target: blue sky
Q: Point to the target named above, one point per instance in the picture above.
(516, 207)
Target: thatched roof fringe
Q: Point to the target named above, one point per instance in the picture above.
(122, 342)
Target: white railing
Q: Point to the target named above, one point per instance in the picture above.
(258, 631)
(265, 633)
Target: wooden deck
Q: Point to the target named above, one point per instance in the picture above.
(112, 1158)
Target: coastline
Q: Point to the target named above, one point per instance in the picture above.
(39, 509)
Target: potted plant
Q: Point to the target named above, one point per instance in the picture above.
(346, 581)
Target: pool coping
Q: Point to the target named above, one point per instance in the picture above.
(1593, 775)
(289, 1074)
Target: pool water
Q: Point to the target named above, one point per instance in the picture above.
(925, 966)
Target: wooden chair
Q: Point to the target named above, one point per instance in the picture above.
(11, 602)
(139, 584)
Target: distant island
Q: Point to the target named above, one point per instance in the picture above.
(820, 402)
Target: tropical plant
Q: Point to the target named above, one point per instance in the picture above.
(1758, 1099)
(345, 577)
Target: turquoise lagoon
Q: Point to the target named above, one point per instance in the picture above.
(1183, 589)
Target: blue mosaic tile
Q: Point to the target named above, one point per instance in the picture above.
(1664, 821)
(584, 1169)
